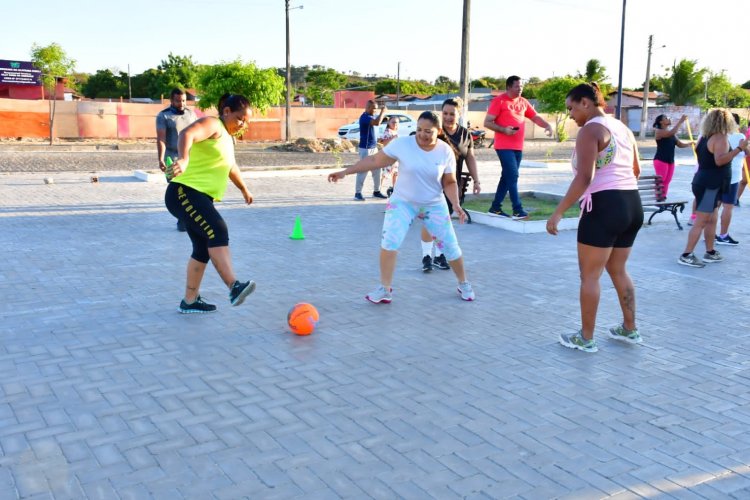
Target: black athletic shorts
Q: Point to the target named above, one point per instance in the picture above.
(706, 199)
(205, 226)
(616, 217)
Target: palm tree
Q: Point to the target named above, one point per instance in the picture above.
(595, 72)
(685, 84)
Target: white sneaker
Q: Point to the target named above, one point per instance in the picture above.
(380, 295)
(465, 291)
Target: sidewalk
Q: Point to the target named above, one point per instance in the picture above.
(108, 392)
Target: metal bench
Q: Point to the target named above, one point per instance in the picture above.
(651, 191)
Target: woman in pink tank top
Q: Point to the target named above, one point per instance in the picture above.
(606, 169)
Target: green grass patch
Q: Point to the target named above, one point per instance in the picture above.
(538, 208)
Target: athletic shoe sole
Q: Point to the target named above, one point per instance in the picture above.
(721, 242)
(193, 311)
(712, 261)
(689, 264)
(615, 336)
(576, 346)
(243, 295)
(381, 301)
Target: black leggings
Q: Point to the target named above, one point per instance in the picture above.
(205, 227)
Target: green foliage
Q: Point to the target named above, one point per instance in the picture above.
(151, 83)
(722, 93)
(104, 84)
(262, 87)
(177, 71)
(489, 82)
(321, 83)
(685, 83)
(551, 96)
(552, 93)
(53, 62)
(444, 85)
(594, 72)
(389, 86)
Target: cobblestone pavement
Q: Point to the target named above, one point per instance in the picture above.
(107, 392)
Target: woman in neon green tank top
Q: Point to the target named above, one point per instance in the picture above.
(206, 160)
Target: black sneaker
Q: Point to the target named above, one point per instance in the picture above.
(389, 192)
(520, 215)
(358, 197)
(240, 291)
(499, 212)
(378, 194)
(426, 264)
(441, 262)
(181, 226)
(728, 240)
(197, 307)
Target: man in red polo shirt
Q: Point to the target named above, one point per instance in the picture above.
(506, 117)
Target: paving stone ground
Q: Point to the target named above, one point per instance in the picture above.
(107, 392)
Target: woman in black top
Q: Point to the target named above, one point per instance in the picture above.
(666, 140)
(711, 179)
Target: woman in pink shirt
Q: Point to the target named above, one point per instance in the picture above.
(606, 168)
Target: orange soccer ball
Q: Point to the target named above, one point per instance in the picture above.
(302, 318)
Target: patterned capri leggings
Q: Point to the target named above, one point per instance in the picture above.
(399, 215)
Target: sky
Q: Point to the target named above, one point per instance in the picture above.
(541, 38)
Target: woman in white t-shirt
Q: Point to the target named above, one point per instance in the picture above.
(730, 197)
(426, 170)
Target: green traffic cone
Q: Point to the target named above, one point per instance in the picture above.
(297, 231)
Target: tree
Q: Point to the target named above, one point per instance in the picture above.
(104, 83)
(54, 64)
(262, 87)
(551, 95)
(594, 72)
(489, 82)
(321, 83)
(444, 85)
(720, 92)
(746, 85)
(685, 83)
(151, 83)
(177, 71)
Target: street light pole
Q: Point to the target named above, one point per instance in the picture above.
(644, 111)
(618, 109)
(464, 79)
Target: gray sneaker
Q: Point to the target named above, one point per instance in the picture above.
(380, 295)
(576, 341)
(240, 291)
(690, 260)
(621, 333)
(711, 258)
(466, 292)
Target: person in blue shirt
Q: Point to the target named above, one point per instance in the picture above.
(368, 146)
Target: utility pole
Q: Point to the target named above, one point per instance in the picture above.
(130, 91)
(463, 85)
(398, 84)
(644, 111)
(288, 135)
(618, 109)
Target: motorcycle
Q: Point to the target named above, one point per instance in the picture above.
(478, 137)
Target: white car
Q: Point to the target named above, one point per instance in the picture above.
(406, 126)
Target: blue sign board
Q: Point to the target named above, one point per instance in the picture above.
(19, 73)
